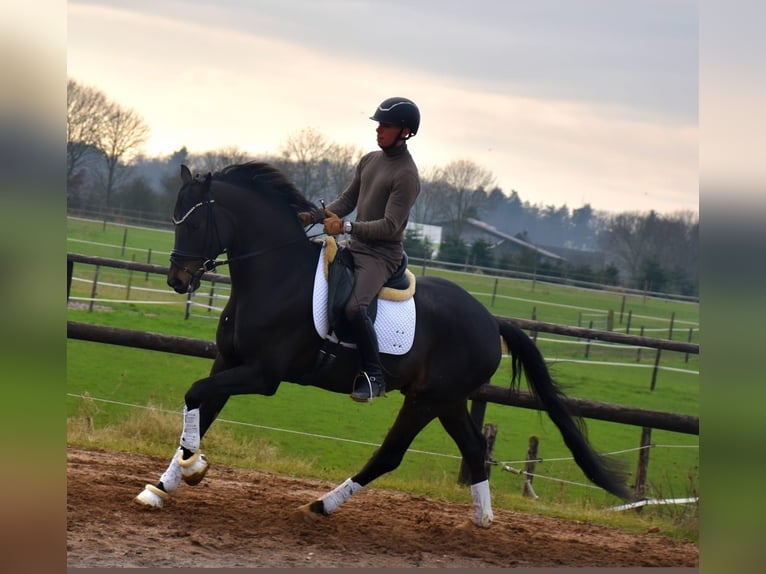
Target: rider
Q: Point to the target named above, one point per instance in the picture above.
(383, 190)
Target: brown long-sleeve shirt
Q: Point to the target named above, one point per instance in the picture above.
(383, 190)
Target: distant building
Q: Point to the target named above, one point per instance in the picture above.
(432, 234)
(502, 243)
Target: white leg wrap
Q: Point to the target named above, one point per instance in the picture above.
(171, 478)
(151, 497)
(190, 435)
(340, 494)
(482, 506)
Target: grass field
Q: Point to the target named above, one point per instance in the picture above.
(129, 399)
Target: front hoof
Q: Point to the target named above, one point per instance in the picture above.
(194, 468)
(471, 526)
(312, 512)
(151, 497)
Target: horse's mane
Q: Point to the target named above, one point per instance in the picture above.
(255, 174)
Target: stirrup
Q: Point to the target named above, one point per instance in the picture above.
(366, 388)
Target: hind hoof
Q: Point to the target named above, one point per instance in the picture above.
(194, 468)
(151, 497)
(308, 513)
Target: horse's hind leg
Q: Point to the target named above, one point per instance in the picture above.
(412, 418)
(473, 446)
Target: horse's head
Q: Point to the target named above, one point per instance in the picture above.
(200, 232)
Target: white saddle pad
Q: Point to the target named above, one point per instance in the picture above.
(394, 322)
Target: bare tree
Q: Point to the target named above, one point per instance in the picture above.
(466, 184)
(430, 204)
(212, 161)
(302, 157)
(122, 134)
(624, 238)
(341, 163)
(87, 108)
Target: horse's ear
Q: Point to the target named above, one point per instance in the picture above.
(186, 175)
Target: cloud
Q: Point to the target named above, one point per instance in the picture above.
(518, 93)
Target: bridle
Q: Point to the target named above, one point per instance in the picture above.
(177, 258)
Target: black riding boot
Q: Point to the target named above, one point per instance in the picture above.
(369, 383)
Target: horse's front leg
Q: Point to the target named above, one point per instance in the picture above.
(203, 402)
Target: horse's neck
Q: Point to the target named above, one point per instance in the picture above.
(287, 262)
(268, 250)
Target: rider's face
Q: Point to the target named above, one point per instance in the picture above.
(388, 135)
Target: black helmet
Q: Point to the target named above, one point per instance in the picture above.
(399, 112)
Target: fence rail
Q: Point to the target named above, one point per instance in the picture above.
(675, 422)
(487, 393)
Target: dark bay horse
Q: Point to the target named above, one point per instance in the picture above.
(266, 336)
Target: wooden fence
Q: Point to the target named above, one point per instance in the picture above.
(487, 393)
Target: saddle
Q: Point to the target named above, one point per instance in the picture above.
(339, 269)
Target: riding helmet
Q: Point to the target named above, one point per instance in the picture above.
(399, 112)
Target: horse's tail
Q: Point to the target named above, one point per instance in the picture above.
(604, 472)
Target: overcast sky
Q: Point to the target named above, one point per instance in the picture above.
(566, 102)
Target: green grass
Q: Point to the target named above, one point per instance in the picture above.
(120, 383)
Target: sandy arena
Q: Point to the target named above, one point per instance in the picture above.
(245, 518)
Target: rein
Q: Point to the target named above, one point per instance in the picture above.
(211, 264)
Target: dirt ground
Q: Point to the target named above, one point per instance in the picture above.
(245, 518)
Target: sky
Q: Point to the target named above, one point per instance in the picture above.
(567, 103)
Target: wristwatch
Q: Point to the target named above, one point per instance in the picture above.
(346, 227)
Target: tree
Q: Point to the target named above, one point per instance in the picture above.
(212, 161)
(302, 156)
(415, 245)
(121, 136)
(429, 204)
(465, 184)
(87, 108)
(341, 162)
(653, 248)
(453, 249)
(481, 253)
(625, 238)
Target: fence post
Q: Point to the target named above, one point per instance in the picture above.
(610, 320)
(529, 468)
(94, 289)
(672, 320)
(494, 292)
(655, 369)
(622, 309)
(643, 464)
(587, 345)
(148, 260)
(124, 241)
(630, 317)
(689, 340)
(188, 306)
(212, 295)
(70, 270)
(130, 279)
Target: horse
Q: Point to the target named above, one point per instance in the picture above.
(266, 336)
